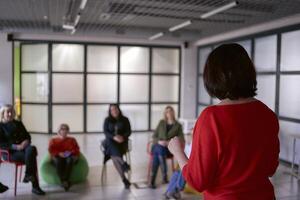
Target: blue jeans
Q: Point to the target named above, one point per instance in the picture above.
(176, 184)
(160, 154)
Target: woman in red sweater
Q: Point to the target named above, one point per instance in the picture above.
(64, 152)
(235, 145)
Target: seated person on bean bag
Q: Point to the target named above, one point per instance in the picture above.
(64, 152)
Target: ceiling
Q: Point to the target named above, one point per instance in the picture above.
(139, 18)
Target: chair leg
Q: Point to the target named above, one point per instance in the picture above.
(16, 180)
(149, 168)
(20, 176)
(103, 174)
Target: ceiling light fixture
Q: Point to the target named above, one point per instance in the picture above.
(76, 19)
(73, 31)
(179, 26)
(153, 37)
(68, 26)
(220, 9)
(82, 4)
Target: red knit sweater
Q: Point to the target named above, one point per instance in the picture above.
(57, 145)
(235, 151)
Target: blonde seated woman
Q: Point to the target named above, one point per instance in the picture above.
(15, 138)
(167, 128)
(64, 152)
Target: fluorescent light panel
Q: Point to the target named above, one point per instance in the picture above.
(82, 4)
(68, 27)
(218, 10)
(153, 37)
(179, 26)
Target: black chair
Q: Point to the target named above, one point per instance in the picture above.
(126, 158)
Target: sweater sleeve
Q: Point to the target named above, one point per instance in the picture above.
(75, 149)
(202, 166)
(4, 143)
(53, 150)
(155, 134)
(127, 132)
(107, 133)
(25, 133)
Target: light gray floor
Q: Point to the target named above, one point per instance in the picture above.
(287, 187)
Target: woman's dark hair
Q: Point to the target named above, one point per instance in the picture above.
(118, 107)
(230, 73)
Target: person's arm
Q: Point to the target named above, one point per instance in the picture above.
(127, 131)
(76, 149)
(107, 132)
(274, 159)
(25, 133)
(155, 134)
(181, 135)
(53, 150)
(4, 143)
(201, 168)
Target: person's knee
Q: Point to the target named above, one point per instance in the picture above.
(69, 160)
(31, 150)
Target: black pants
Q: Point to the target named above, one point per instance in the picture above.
(27, 156)
(63, 166)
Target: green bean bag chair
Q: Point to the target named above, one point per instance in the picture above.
(78, 175)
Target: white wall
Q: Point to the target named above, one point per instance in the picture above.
(188, 82)
(5, 70)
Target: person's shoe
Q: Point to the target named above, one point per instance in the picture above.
(165, 180)
(38, 191)
(3, 188)
(28, 178)
(152, 186)
(175, 195)
(126, 183)
(126, 167)
(66, 185)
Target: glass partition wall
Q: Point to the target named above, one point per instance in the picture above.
(75, 83)
(277, 61)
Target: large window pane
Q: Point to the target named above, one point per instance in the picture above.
(72, 115)
(247, 46)
(97, 89)
(102, 59)
(35, 87)
(134, 59)
(290, 48)
(216, 101)
(289, 96)
(203, 95)
(200, 109)
(68, 57)
(34, 57)
(96, 115)
(165, 60)
(137, 115)
(165, 88)
(266, 85)
(203, 54)
(157, 113)
(134, 88)
(265, 53)
(67, 88)
(287, 129)
(35, 118)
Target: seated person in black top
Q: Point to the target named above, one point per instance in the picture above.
(117, 131)
(3, 188)
(15, 138)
